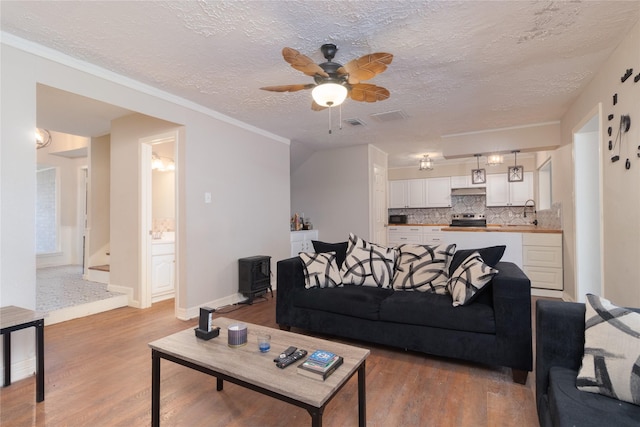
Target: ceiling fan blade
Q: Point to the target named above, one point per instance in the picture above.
(288, 88)
(366, 92)
(302, 62)
(317, 107)
(367, 66)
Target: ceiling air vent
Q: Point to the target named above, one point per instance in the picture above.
(389, 116)
(354, 122)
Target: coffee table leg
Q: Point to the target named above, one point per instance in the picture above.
(40, 361)
(155, 389)
(316, 417)
(362, 396)
(219, 383)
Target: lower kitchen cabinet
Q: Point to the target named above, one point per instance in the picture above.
(398, 235)
(542, 259)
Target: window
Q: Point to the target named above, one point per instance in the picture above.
(46, 210)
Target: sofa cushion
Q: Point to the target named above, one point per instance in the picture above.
(368, 264)
(569, 406)
(423, 268)
(355, 301)
(490, 255)
(428, 309)
(339, 248)
(320, 270)
(468, 280)
(611, 361)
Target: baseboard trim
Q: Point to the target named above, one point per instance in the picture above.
(68, 313)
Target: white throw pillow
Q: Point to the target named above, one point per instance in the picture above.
(469, 278)
(368, 264)
(423, 268)
(611, 361)
(320, 270)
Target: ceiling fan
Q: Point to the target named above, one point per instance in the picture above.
(335, 82)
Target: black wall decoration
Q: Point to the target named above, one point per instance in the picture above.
(624, 123)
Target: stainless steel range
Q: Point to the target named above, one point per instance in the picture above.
(468, 220)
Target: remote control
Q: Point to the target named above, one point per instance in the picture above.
(288, 352)
(284, 362)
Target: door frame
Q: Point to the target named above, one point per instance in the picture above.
(146, 220)
(588, 209)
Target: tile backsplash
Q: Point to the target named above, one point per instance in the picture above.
(507, 215)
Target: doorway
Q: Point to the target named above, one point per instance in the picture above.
(158, 218)
(587, 158)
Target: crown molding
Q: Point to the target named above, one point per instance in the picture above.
(89, 68)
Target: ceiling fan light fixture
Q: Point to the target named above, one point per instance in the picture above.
(329, 94)
(425, 164)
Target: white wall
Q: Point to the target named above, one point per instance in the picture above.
(246, 170)
(621, 197)
(332, 188)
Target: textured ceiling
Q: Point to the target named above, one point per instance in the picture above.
(458, 66)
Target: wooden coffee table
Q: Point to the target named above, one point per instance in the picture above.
(249, 368)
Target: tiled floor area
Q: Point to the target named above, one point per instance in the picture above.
(62, 293)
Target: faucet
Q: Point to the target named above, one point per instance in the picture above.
(531, 208)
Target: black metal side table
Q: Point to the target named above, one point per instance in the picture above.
(12, 319)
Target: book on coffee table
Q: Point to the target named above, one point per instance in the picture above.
(312, 369)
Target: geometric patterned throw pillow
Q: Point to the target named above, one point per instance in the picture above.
(611, 361)
(368, 264)
(469, 279)
(320, 270)
(423, 268)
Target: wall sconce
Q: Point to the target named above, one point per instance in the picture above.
(495, 159)
(425, 164)
(43, 138)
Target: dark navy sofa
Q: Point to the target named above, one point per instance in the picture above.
(495, 329)
(559, 351)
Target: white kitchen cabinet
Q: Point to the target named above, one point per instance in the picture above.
(398, 197)
(501, 192)
(464, 181)
(432, 235)
(438, 192)
(301, 241)
(416, 191)
(163, 271)
(542, 258)
(461, 181)
(398, 235)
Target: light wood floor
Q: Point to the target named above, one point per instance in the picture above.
(98, 373)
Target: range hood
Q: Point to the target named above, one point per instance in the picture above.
(469, 191)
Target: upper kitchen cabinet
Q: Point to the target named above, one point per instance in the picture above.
(501, 192)
(398, 194)
(407, 193)
(438, 192)
(464, 181)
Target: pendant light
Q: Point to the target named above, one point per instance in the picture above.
(478, 176)
(43, 138)
(516, 172)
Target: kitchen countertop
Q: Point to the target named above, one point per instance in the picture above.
(503, 228)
